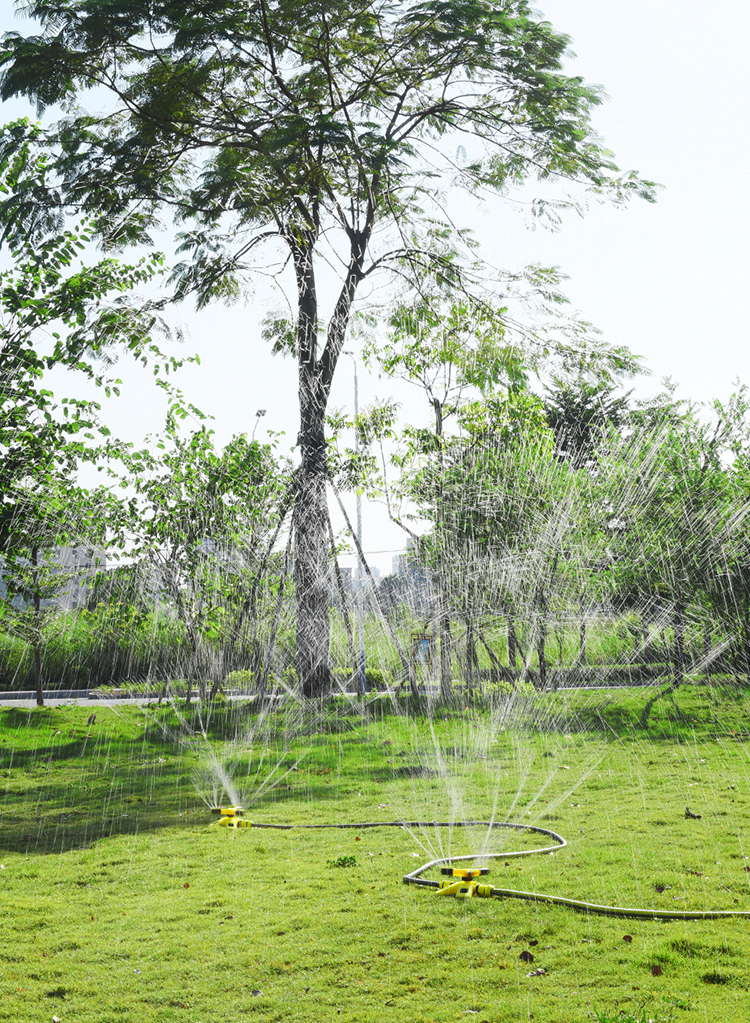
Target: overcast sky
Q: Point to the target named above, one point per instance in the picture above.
(668, 280)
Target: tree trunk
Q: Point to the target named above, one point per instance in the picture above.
(473, 674)
(541, 654)
(512, 645)
(444, 630)
(310, 510)
(499, 669)
(471, 654)
(37, 631)
(441, 580)
(315, 376)
(311, 579)
(679, 643)
(541, 638)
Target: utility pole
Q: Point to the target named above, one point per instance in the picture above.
(360, 567)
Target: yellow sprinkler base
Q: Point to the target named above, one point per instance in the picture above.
(463, 884)
(230, 817)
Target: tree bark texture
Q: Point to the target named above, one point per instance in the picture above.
(311, 572)
(315, 375)
(310, 510)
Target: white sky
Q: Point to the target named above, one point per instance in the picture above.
(667, 280)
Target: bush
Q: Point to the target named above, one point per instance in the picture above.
(243, 679)
(377, 680)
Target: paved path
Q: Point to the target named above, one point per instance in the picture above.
(61, 698)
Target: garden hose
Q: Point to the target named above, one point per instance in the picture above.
(464, 883)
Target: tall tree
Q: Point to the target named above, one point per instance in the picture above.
(327, 127)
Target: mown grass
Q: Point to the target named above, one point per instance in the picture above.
(118, 902)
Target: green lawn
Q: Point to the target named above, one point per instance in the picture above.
(119, 902)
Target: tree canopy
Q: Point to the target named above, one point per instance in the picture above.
(325, 128)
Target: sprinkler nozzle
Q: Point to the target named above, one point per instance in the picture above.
(231, 811)
(465, 874)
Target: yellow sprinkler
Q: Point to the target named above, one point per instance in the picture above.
(230, 817)
(463, 883)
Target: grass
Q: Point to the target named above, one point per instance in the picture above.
(119, 903)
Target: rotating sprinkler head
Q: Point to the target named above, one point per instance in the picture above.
(229, 817)
(464, 884)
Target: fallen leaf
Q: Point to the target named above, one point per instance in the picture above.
(627, 937)
(659, 888)
(357, 838)
(256, 992)
(527, 957)
(534, 942)
(186, 885)
(656, 970)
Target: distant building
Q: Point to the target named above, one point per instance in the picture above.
(77, 565)
(410, 583)
(81, 565)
